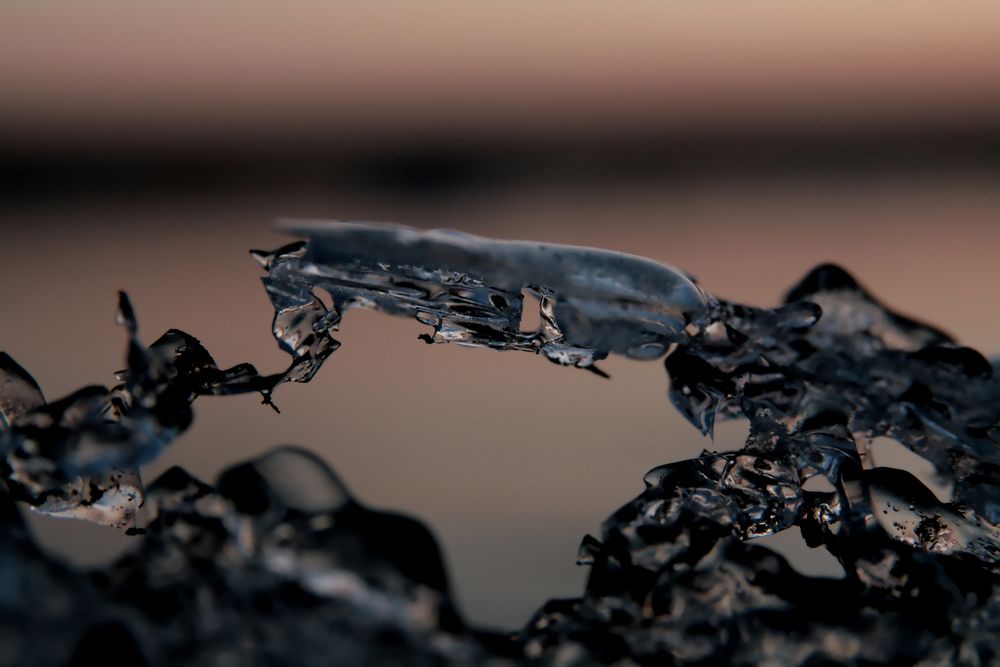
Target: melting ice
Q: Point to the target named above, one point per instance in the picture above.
(276, 562)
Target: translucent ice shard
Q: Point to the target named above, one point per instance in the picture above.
(470, 290)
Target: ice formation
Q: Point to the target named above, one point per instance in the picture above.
(276, 563)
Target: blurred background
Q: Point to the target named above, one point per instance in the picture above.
(147, 146)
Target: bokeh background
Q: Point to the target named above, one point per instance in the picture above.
(147, 146)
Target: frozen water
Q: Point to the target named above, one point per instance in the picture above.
(276, 562)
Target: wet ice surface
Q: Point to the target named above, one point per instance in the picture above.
(276, 562)
(471, 291)
(78, 457)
